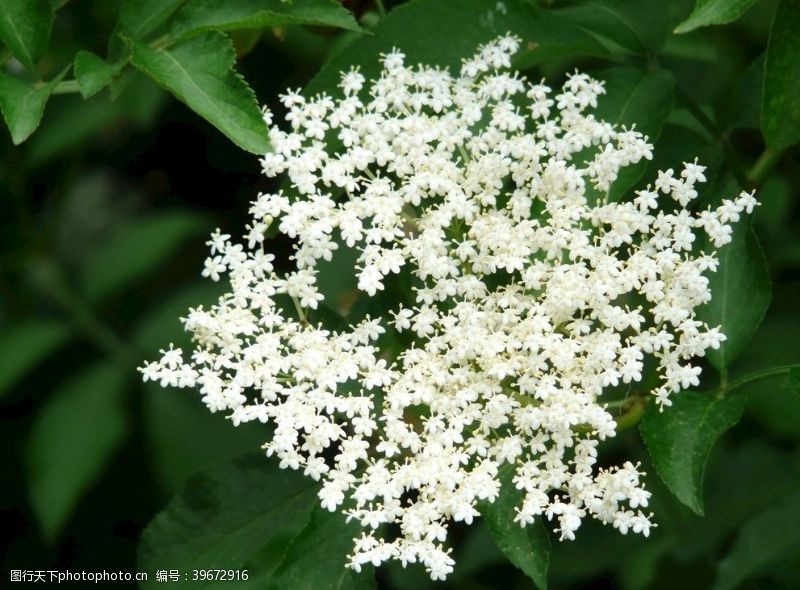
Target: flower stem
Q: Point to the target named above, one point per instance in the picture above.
(632, 414)
(300, 311)
(765, 163)
(66, 87)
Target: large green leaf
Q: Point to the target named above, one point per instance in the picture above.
(200, 72)
(527, 548)
(740, 294)
(780, 108)
(639, 27)
(714, 12)
(23, 345)
(93, 73)
(680, 438)
(225, 517)
(199, 16)
(73, 438)
(25, 27)
(139, 248)
(635, 97)
(23, 105)
(768, 540)
(442, 32)
(316, 558)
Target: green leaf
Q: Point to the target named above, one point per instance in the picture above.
(635, 97)
(200, 72)
(139, 18)
(714, 12)
(638, 27)
(780, 109)
(740, 294)
(199, 16)
(316, 558)
(769, 540)
(442, 32)
(136, 250)
(225, 517)
(793, 380)
(72, 439)
(25, 27)
(23, 105)
(775, 407)
(527, 548)
(680, 438)
(93, 73)
(24, 345)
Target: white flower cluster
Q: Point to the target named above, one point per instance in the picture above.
(532, 296)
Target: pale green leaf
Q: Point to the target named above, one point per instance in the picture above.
(740, 294)
(714, 12)
(200, 72)
(767, 541)
(316, 559)
(137, 249)
(680, 438)
(25, 27)
(527, 548)
(72, 440)
(93, 73)
(198, 16)
(23, 105)
(25, 344)
(780, 108)
(224, 519)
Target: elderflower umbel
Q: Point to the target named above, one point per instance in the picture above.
(532, 295)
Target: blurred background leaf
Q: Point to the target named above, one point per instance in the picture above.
(72, 439)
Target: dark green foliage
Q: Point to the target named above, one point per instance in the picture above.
(780, 109)
(129, 124)
(681, 438)
(225, 517)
